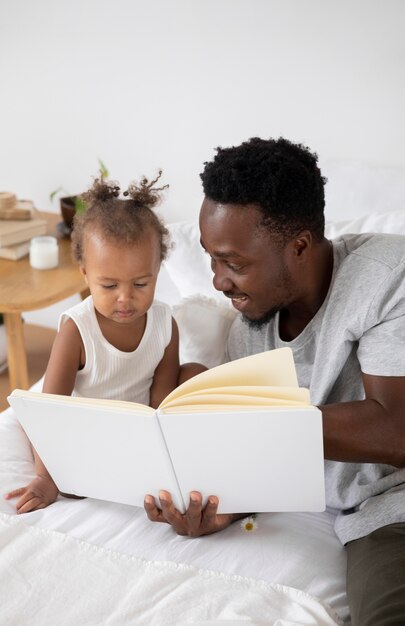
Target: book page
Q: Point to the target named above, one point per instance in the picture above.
(239, 404)
(249, 395)
(263, 460)
(273, 368)
(77, 400)
(106, 450)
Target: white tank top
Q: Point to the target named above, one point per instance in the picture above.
(111, 373)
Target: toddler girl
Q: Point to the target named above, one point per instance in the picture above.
(118, 343)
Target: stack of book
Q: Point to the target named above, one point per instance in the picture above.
(18, 224)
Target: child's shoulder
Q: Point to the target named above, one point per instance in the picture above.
(83, 309)
(158, 305)
(161, 315)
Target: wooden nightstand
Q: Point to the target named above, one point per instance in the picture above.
(23, 288)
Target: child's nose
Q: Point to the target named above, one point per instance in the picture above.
(125, 293)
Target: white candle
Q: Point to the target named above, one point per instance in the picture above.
(44, 253)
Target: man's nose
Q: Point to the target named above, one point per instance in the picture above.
(221, 280)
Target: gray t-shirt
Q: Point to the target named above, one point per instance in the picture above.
(360, 327)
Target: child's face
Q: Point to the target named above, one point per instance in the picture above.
(121, 278)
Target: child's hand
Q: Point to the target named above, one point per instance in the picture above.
(40, 492)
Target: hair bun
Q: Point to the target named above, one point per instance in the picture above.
(144, 193)
(102, 190)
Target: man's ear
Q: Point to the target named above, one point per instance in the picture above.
(302, 244)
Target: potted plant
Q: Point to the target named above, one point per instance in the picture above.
(72, 204)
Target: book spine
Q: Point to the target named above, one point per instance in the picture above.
(178, 498)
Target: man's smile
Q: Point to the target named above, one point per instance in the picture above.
(238, 301)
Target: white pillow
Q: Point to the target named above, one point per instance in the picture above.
(166, 290)
(188, 266)
(203, 327)
(389, 222)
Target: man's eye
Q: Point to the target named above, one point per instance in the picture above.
(235, 268)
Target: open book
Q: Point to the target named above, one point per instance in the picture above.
(243, 431)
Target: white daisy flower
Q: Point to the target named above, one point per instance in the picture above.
(249, 524)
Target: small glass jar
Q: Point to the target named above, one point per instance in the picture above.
(44, 253)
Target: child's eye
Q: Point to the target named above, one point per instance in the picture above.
(108, 286)
(141, 284)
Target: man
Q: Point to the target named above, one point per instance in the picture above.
(340, 306)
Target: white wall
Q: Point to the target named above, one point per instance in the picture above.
(160, 83)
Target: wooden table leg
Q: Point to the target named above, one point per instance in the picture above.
(16, 355)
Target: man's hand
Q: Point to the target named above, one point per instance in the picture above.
(196, 521)
(36, 495)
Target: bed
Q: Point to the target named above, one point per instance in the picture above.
(91, 562)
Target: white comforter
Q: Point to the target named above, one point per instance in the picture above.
(47, 577)
(88, 562)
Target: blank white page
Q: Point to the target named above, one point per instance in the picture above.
(265, 460)
(110, 454)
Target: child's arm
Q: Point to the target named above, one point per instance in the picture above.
(67, 356)
(167, 372)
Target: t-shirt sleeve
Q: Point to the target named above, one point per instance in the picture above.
(381, 350)
(235, 345)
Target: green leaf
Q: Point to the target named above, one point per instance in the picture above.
(80, 205)
(104, 173)
(53, 194)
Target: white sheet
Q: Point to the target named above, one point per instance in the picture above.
(98, 586)
(299, 551)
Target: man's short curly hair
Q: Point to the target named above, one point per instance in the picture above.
(280, 177)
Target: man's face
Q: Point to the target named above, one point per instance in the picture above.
(250, 264)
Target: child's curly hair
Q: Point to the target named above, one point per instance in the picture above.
(123, 220)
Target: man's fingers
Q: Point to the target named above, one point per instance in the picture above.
(196, 521)
(176, 519)
(152, 511)
(209, 515)
(169, 511)
(193, 514)
(211, 508)
(195, 500)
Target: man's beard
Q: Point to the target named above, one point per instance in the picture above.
(257, 324)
